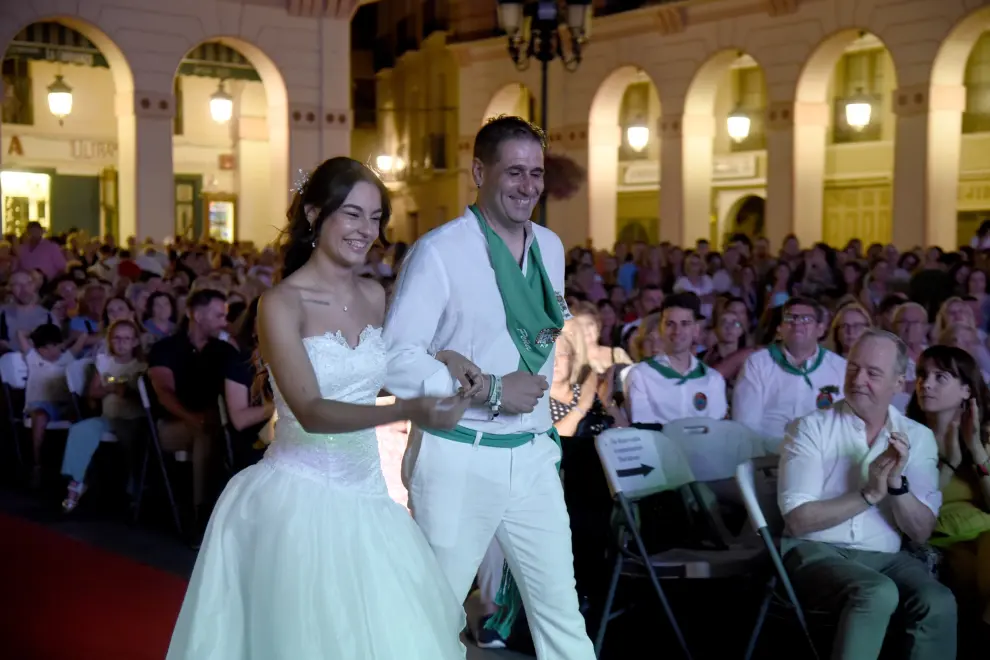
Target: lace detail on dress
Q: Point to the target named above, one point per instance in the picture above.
(351, 375)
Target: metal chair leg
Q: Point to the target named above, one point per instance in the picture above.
(654, 580)
(613, 586)
(761, 617)
(165, 479)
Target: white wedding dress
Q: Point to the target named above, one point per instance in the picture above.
(307, 558)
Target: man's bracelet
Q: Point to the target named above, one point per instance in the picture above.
(495, 395)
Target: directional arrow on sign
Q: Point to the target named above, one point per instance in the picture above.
(642, 471)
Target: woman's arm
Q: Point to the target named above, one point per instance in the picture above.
(96, 389)
(280, 341)
(239, 409)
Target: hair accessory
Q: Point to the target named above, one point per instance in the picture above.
(302, 178)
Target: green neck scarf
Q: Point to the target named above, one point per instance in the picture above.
(533, 314)
(666, 371)
(777, 355)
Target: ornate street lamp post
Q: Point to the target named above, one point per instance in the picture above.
(533, 28)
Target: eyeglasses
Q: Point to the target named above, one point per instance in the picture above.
(799, 319)
(731, 324)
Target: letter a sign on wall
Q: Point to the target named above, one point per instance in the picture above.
(15, 148)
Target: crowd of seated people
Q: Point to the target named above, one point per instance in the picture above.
(659, 333)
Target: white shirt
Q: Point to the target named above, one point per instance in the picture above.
(447, 297)
(766, 398)
(657, 399)
(825, 455)
(46, 380)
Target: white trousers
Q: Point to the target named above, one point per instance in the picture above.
(490, 575)
(464, 495)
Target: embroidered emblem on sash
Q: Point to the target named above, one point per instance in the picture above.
(700, 401)
(826, 396)
(547, 336)
(524, 338)
(562, 303)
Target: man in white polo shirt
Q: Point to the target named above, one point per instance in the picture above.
(789, 378)
(675, 384)
(854, 480)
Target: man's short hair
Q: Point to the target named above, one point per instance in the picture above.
(203, 297)
(805, 302)
(501, 129)
(901, 352)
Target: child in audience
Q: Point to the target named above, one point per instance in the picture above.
(47, 395)
(114, 382)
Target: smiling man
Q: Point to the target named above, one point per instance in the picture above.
(489, 285)
(789, 378)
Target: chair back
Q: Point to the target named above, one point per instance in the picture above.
(746, 479)
(638, 462)
(757, 481)
(714, 447)
(13, 370)
(75, 376)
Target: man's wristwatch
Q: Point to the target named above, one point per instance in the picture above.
(899, 491)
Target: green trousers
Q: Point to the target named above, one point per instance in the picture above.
(865, 588)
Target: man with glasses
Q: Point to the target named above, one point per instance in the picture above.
(792, 377)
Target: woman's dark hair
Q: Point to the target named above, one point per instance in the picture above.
(149, 305)
(961, 365)
(327, 189)
(244, 332)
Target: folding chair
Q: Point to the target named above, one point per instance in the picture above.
(153, 445)
(639, 463)
(77, 377)
(13, 375)
(746, 479)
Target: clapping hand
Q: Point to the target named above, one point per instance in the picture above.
(878, 476)
(898, 450)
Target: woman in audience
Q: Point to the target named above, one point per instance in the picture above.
(247, 394)
(574, 405)
(729, 352)
(114, 384)
(696, 281)
(976, 286)
(953, 401)
(645, 343)
(850, 322)
(588, 322)
(159, 316)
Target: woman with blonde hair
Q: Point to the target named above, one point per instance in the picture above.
(600, 357)
(850, 322)
(646, 342)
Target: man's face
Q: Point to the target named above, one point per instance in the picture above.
(211, 318)
(651, 299)
(912, 325)
(679, 330)
(800, 328)
(871, 378)
(22, 288)
(513, 184)
(34, 234)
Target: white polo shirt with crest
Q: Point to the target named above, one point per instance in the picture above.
(657, 394)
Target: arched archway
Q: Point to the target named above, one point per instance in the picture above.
(74, 183)
(605, 139)
(711, 97)
(947, 102)
(512, 99)
(746, 216)
(799, 203)
(247, 200)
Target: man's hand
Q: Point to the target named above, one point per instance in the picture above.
(898, 451)
(879, 475)
(521, 391)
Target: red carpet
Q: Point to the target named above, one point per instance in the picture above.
(65, 600)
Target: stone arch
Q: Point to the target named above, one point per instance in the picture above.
(946, 103)
(746, 215)
(699, 130)
(508, 100)
(277, 118)
(604, 139)
(123, 80)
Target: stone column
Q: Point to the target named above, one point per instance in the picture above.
(697, 143)
(254, 221)
(146, 180)
(466, 190)
(796, 137)
(926, 164)
(671, 179)
(335, 87)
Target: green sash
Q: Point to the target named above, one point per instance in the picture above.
(499, 441)
(699, 371)
(533, 313)
(778, 356)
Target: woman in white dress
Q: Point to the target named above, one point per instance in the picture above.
(306, 557)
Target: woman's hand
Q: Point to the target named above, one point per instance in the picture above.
(466, 372)
(589, 388)
(953, 443)
(606, 385)
(434, 413)
(971, 433)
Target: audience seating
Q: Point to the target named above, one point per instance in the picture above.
(154, 446)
